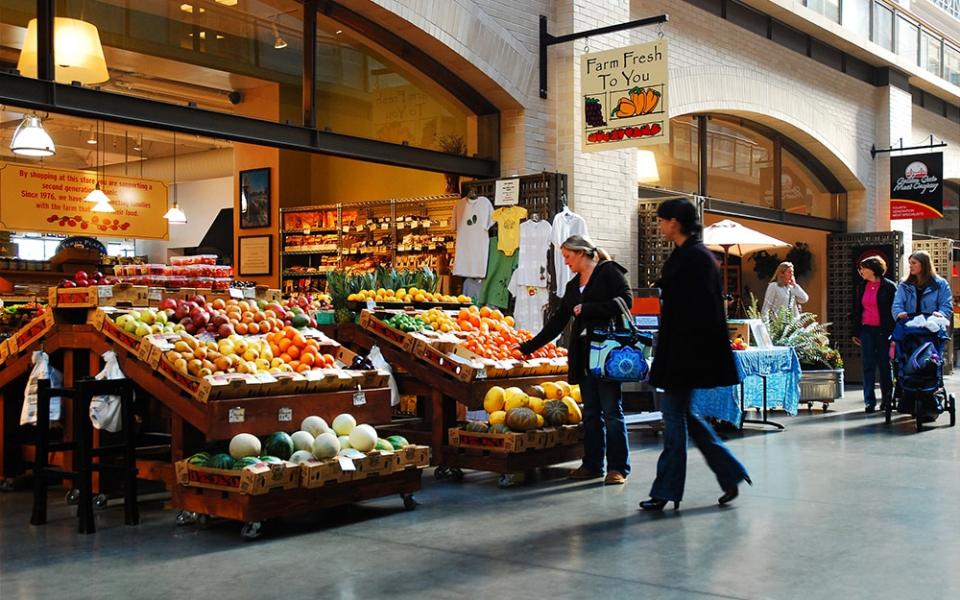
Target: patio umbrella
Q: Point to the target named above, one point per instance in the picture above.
(731, 237)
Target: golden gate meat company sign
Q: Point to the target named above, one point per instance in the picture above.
(53, 201)
(624, 97)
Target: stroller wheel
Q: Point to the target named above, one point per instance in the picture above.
(888, 412)
(918, 414)
(952, 409)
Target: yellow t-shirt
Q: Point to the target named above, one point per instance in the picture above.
(508, 222)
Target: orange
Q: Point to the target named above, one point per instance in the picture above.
(302, 367)
(286, 358)
(294, 351)
(510, 321)
(294, 364)
(253, 328)
(463, 314)
(308, 358)
(275, 350)
(485, 311)
(241, 328)
(290, 332)
(284, 344)
(299, 341)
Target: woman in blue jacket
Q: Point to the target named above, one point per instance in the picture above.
(923, 282)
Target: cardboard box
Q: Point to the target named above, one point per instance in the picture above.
(268, 294)
(30, 333)
(739, 328)
(154, 345)
(551, 437)
(570, 435)
(457, 367)
(4, 351)
(251, 481)
(495, 442)
(379, 328)
(376, 464)
(100, 295)
(105, 323)
(320, 473)
(327, 380)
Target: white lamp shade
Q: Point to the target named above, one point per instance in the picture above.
(175, 216)
(647, 167)
(77, 52)
(31, 139)
(103, 206)
(97, 196)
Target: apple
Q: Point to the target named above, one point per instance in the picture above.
(200, 300)
(81, 275)
(170, 303)
(67, 283)
(225, 330)
(97, 276)
(181, 311)
(200, 317)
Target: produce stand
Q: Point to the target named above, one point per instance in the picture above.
(450, 395)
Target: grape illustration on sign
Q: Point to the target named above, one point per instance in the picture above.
(625, 97)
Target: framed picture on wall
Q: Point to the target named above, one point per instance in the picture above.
(255, 255)
(255, 198)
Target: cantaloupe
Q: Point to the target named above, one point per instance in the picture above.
(497, 417)
(301, 456)
(494, 399)
(363, 438)
(326, 445)
(344, 441)
(344, 424)
(314, 425)
(243, 445)
(302, 440)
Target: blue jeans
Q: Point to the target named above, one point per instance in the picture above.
(604, 430)
(876, 355)
(672, 466)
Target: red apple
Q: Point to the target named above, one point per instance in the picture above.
(81, 275)
(168, 303)
(182, 310)
(200, 300)
(225, 330)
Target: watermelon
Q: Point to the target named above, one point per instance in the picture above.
(271, 460)
(200, 459)
(220, 461)
(301, 456)
(300, 321)
(383, 445)
(246, 461)
(398, 441)
(278, 444)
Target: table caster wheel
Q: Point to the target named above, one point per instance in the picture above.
(72, 497)
(100, 501)
(508, 480)
(456, 473)
(7, 484)
(409, 502)
(441, 473)
(185, 517)
(825, 406)
(810, 407)
(252, 530)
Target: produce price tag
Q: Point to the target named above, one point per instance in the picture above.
(306, 231)
(285, 415)
(359, 398)
(346, 464)
(104, 291)
(235, 415)
(236, 293)
(371, 304)
(249, 293)
(401, 225)
(384, 225)
(425, 223)
(155, 294)
(346, 229)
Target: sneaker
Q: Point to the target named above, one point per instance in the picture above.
(582, 473)
(869, 408)
(615, 478)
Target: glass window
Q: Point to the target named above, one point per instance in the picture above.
(802, 192)
(856, 17)
(739, 164)
(677, 163)
(15, 15)
(930, 52)
(908, 40)
(828, 8)
(949, 225)
(951, 64)
(883, 26)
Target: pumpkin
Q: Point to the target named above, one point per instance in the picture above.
(521, 419)
(540, 421)
(535, 391)
(520, 401)
(497, 417)
(475, 427)
(555, 413)
(574, 415)
(500, 428)
(536, 405)
(494, 399)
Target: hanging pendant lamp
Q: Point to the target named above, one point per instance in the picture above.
(175, 216)
(78, 55)
(101, 200)
(31, 139)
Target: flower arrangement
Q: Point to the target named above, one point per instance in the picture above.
(810, 338)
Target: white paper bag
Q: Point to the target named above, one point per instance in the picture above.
(377, 360)
(105, 410)
(41, 370)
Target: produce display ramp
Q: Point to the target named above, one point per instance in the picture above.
(252, 510)
(507, 464)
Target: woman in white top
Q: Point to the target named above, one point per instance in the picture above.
(784, 291)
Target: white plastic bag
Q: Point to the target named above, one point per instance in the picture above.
(105, 410)
(41, 370)
(378, 362)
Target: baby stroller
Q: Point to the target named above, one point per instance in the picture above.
(918, 372)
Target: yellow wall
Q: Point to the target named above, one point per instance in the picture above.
(336, 180)
(815, 283)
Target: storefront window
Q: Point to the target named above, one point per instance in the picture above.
(802, 192)
(949, 225)
(828, 8)
(677, 163)
(883, 26)
(739, 164)
(907, 40)
(930, 52)
(14, 17)
(951, 64)
(856, 17)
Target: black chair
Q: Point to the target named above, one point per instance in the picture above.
(84, 452)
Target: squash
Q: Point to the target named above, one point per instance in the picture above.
(653, 98)
(638, 98)
(536, 405)
(521, 419)
(540, 421)
(475, 427)
(555, 413)
(564, 387)
(494, 399)
(520, 401)
(497, 417)
(535, 391)
(625, 108)
(512, 393)
(499, 428)
(552, 390)
(574, 415)
(575, 393)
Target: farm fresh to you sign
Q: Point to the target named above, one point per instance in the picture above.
(624, 97)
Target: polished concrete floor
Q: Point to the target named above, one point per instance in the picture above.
(842, 507)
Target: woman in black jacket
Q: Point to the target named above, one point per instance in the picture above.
(693, 351)
(590, 299)
(872, 326)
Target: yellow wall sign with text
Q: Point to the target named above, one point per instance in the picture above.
(624, 97)
(53, 201)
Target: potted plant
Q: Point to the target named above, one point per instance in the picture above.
(453, 144)
(821, 367)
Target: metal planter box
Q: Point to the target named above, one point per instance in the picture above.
(822, 385)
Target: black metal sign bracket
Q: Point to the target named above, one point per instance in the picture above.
(547, 40)
(874, 151)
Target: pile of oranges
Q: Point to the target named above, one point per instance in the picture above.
(483, 320)
(301, 353)
(493, 335)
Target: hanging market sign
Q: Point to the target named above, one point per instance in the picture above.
(916, 186)
(53, 201)
(624, 97)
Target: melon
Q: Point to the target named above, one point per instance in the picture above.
(344, 424)
(398, 441)
(498, 417)
(521, 419)
(326, 445)
(246, 461)
(344, 441)
(383, 445)
(351, 453)
(220, 461)
(564, 387)
(200, 459)
(540, 421)
(363, 438)
(512, 393)
(278, 444)
(574, 415)
(271, 460)
(494, 399)
(301, 456)
(244, 444)
(314, 425)
(575, 393)
(555, 413)
(302, 440)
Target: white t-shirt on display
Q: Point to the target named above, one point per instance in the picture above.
(534, 245)
(473, 219)
(565, 224)
(531, 301)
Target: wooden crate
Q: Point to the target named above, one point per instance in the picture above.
(30, 333)
(99, 295)
(457, 369)
(380, 329)
(320, 473)
(253, 481)
(4, 351)
(498, 442)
